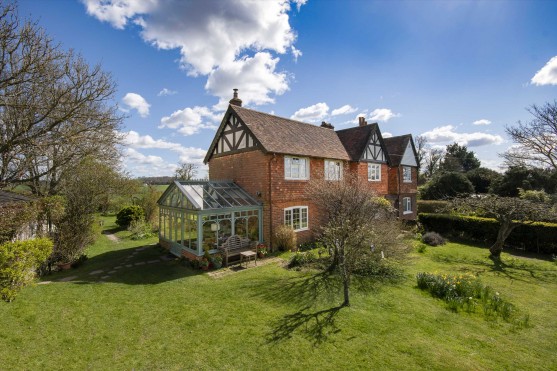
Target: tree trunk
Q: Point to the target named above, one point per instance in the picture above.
(504, 231)
(345, 275)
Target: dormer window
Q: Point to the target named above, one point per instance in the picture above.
(407, 174)
(333, 170)
(296, 168)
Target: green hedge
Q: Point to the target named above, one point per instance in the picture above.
(432, 206)
(535, 237)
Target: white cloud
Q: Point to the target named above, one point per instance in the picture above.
(295, 53)
(482, 122)
(346, 109)
(215, 38)
(139, 164)
(382, 114)
(166, 91)
(255, 78)
(137, 102)
(448, 134)
(313, 113)
(547, 75)
(386, 134)
(190, 120)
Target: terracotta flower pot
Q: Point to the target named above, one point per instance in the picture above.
(64, 266)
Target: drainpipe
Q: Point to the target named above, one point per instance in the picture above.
(270, 201)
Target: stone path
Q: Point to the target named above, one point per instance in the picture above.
(236, 268)
(112, 237)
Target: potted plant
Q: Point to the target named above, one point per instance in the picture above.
(262, 250)
(217, 261)
(204, 264)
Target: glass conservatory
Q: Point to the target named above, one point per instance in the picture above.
(199, 215)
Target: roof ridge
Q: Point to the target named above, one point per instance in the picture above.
(280, 117)
(357, 127)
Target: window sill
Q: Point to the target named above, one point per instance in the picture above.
(406, 181)
(298, 179)
(374, 180)
(301, 230)
(406, 212)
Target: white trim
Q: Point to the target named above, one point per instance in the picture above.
(288, 160)
(328, 173)
(291, 224)
(404, 201)
(377, 172)
(404, 180)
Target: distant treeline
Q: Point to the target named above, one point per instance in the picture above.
(156, 180)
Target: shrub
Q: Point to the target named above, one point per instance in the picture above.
(536, 237)
(433, 239)
(129, 214)
(432, 206)
(285, 238)
(18, 263)
(140, 230)
(300, 259)
(447, 185)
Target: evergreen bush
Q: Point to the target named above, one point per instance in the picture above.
(128, 215)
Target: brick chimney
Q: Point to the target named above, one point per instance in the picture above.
(327, 125)
(362, 121)
(235, 100)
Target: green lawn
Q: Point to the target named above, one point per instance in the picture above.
(165, 316)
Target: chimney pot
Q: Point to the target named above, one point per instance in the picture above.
(235, 100)
(362, 121)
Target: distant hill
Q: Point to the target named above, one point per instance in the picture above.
(156, 180)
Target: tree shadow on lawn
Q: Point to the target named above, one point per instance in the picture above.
(139, 265)
(309, 292)
(511, 268)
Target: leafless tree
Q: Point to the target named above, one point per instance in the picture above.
(432, 161)
(536, 140)
(55, 109)
(358, 227)
(421, 148)
(186, 171)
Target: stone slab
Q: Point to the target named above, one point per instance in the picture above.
(99, 271)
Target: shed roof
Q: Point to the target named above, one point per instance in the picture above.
(281, 135)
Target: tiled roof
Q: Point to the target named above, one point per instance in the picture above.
(282, 135)
(9, 197)
(396, 146)
(356, 139)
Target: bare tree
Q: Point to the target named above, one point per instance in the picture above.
(432, 161)
(186, 171)
(421, 148)
(536, 141)
(510, 212)
(359, 227)
(55, 109)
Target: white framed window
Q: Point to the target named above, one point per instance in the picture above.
(374, 172)
(333, 170)
(296, 168)
(407, 174)
(407, 205)
(296, 217)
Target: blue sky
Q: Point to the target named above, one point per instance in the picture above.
(448, 70)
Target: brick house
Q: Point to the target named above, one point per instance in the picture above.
(272, 158)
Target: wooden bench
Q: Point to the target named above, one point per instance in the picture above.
(234, 246)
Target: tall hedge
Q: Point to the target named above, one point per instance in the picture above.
(18, 263)
(535, 237)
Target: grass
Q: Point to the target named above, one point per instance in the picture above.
(166, 316)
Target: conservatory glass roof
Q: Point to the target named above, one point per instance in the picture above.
(206, 195)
